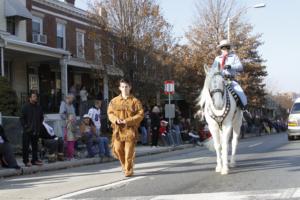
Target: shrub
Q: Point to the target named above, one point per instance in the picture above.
(8, 98)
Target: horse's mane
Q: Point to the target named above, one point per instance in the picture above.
(205, 90)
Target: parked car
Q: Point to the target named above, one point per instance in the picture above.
(294, 121)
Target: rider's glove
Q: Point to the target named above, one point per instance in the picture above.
(227, 67)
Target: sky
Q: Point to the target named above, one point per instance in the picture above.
(278, 22)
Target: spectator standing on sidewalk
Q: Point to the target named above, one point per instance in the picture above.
(95, 114)
(144, 131)
(125, 112)
(7, 157)
(155, 124)
(83, 101)
(66, 108)
(31, 120)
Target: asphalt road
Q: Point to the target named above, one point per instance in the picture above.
(268, 167)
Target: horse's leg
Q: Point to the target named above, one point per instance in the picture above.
(217, 144)
(225, 139)
(218, 148)
(234, 144)
(237, 123)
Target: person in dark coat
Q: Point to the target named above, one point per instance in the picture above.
(7, 157)
(31, 120)
(155, 124)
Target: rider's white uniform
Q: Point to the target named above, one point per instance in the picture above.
(236, 66)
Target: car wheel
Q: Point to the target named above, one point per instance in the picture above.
(290, 138)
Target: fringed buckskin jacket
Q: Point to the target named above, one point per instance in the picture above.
(130, 110)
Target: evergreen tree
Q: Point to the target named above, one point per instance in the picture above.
(8, 98)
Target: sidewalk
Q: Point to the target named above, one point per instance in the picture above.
(140, 151)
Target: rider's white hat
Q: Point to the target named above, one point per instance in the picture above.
(224, 43)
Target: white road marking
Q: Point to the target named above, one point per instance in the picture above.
(103, 187)
(155, 166)
(254, 145)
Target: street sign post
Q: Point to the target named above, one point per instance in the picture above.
(169, 108)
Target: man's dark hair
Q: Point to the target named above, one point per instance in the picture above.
(31, 92)
(124, 80)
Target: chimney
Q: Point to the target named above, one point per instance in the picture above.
(70, 1)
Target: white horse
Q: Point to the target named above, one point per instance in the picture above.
(222, 114)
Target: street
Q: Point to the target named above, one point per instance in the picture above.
(267, 168)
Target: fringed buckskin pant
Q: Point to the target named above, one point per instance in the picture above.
(125, 152)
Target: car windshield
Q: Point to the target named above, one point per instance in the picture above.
(296, 108)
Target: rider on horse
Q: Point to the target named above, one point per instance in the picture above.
(230, 65)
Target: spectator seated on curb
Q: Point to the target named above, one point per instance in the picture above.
(194, 137)
(204, 133)
(176, 132)
(7, 158)
(95, 144)
(53, 144)
(163, 132)
(165, 136)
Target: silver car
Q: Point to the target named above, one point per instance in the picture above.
(294, 121)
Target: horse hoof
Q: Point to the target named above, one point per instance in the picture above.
(224, 171)
(218, 169)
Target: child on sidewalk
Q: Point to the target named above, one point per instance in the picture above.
(95, 114)
(70, 136)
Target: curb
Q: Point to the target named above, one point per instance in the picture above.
(81, 162)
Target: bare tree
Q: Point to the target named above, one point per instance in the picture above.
(139, 33)
(211, 27)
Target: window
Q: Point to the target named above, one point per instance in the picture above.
(60, 36)
(98, 54)
(296, 108)
(37, 25)
(145, 60)
(11, 25)
(80, 44)
(7, 70)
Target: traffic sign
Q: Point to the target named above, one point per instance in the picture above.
(170, 111)
(169, 87)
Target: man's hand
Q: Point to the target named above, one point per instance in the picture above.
(227, 67)
(120, 122)
(123, 122)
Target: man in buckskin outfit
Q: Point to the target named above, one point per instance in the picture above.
(125, 112)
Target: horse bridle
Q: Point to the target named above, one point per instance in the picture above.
(212, 92)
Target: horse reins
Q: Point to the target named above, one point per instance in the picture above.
(220, 119)
(212, 92)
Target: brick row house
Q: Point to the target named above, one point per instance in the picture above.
(48, 46)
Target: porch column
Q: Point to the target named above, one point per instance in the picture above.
(105, 87)
(2, 60)
(64, 76)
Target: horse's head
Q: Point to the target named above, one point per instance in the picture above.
(216, 86)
